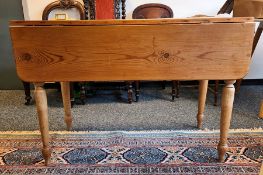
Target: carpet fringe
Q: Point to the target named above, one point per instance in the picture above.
(205, 131)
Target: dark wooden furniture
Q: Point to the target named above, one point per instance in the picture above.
(152, 11)
(28, 97)
(228, 53)
(63, 4)
(119, 9)
(60, 4)
(228, 8)
(106, 9)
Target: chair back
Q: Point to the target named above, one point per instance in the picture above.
(152, 11)
(64, 4)
(251, 8)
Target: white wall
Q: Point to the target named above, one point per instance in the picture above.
(256, 68)
(181, 8)
(33, 10)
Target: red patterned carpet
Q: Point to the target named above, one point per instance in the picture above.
(130, 153)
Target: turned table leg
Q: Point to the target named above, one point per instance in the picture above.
(203, 85)
(42, 110)
(226, 113)
(65, 90)
(261, 110)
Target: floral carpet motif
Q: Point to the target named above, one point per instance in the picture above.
(130, 153)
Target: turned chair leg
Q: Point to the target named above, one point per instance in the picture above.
(238, 85)
(42, 110)
(27, 92)
(82, 93)
(65, 90)
(163, 84)
(137, 90)
(203, 85)
(261, 110)
(129, 85)
(226, 113)
(216, 92)
(175, 89)
(72, 97)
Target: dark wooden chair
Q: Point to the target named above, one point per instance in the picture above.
(119, 9)
(60, 4)
(94, 12)
(152, 11)
(64, 4)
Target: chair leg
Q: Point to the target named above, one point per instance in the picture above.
(216, 92)
(137, 90)
(163, 84)
(82, 93)
(72, 97)
(238, 85)
(129, 85)
(27, 92)
(175, 89)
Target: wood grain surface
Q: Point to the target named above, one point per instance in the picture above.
(261, 110)
(112, 52)
(194, 20)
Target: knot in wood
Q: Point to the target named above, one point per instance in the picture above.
(26, 57)
(165, 57)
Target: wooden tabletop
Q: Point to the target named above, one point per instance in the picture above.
(197, 20)
(113, 50)
(258, 20)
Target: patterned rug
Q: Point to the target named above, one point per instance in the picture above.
(130, 153)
